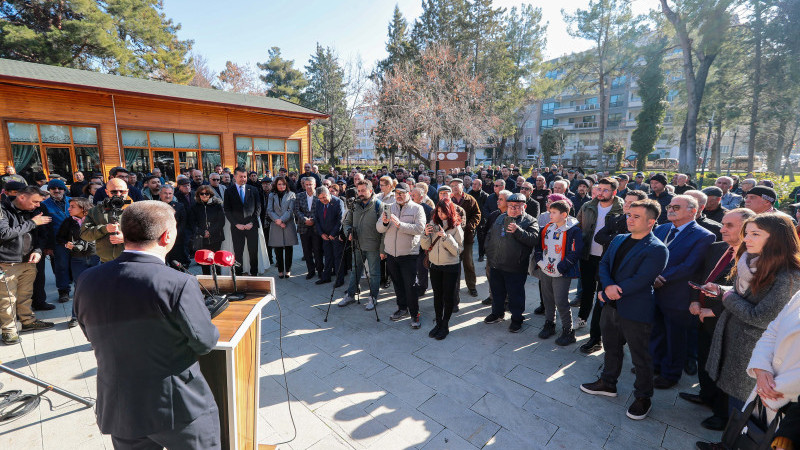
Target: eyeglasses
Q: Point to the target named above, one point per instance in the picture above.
(515, 207)
(56, 189)
(525, 189)
(673, 207)
(125, 191)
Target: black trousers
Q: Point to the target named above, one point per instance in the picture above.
(469, 263)
(403, 271)
(39, 296)
(384, 272)
(284, 256)
(617, 332)
(332, 250)
(481, 237)
(709, 391)
(265, 227)
(312, 250)
(590, 285)
(203, 433)
(595, 331)
(443, 280)
(422, 275)
(239, 237)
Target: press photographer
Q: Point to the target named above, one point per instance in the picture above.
(102, 223)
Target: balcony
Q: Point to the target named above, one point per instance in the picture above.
(584, 125)
(575, 109)
(564, 126)
(614, 124)
(616, 104)
(635, 103)
(589, 107)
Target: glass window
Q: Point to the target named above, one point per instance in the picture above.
(293, 146)
(87, 159)
(262, 164)
(138, 160)
(26, 159)
(159, 139)
(261, 144)
(23, 132)
(244, 143)
(244, 159)
(58, 161)
(84, 135)
(209, 141)
(187, 160)
(210, 159)
(590, 101)
(185, 140)
(134, 138)
(165, 161)
(547, 123)
(276, 145)
(57, 134)
(294, 162)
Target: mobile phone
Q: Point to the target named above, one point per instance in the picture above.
(700, 288)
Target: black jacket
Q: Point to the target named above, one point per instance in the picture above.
(146, 342)
(208, 217)
(511, 252)
(70, 231)
(19, 235)
(178, 253)
(614, 224)
(711, 225)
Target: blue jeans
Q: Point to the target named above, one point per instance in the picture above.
(374, 260)
(78, 265)
(61, 265)
(509, 284)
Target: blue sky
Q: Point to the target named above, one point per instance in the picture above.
(242, 30)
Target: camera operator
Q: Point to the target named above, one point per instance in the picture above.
(119, 173)
(19, 253)
(102, 223)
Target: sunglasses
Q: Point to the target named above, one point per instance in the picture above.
(56, 189)
(204, 194)
(119, 192)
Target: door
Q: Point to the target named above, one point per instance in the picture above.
(58, 161)
(165, 161)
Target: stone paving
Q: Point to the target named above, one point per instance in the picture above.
(356, 383)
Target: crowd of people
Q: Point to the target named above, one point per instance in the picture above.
(693, 281)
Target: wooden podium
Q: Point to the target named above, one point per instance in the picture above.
(231, 369)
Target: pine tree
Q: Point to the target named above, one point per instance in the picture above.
(125, 37)
(398, 45)
(282, 79)
(652, 90)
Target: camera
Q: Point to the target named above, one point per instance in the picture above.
(79, 245)
(115, 202)
(350, 202)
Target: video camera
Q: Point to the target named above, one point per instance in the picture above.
(114, 205)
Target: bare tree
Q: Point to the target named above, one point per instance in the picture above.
(203, 75)
(239, 78)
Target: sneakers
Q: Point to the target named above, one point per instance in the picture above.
(567, 337)
(10, 338)
(346, 300)
(639, 409)
(385, 285)
(37, 325)
(548, 330)
(72, 323)
(591, 347)
(580, 324)
(370, 304)
(515, 327)
(399, 314)
(492, 318)
(487, 301)
(599, 387)
(415, 321)
(539, 311)
(63, 296)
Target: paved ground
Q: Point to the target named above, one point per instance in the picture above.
(359, 383)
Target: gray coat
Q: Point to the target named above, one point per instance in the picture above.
(738, 329)
(362, 219)
(283, 210)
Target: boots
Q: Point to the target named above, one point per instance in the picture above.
(435, 329)
(567, 337)
(444, 330)
(548, 330)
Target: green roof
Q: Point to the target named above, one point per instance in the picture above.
(120, 84)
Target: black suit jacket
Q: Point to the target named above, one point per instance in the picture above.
(147, 324)
(712, 256)
(238, 213)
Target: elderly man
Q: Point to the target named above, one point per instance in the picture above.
(714, 209)
(473, 216)
(76, 189)
(402, 227)
(746, 185)
(701, 218)
(687, 243)
(215, 181)
(328, 224)
(729, 200)
(176, 253)
(509, 241)
(197, 179)
(541, 192)
(531, 204)
(681, 185)
(491, 200)
(480, 196)
(305, 211)
(639, 183)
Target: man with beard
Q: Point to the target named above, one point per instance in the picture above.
(151, 186)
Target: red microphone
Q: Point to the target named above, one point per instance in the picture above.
(226, 259)
(206, 258)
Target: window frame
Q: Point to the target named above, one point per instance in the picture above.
(149, 148)
(253, 153)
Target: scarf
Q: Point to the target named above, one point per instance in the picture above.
(745, 268)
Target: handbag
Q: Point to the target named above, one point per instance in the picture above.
(198, 242)
(742, 433)
(426, 261)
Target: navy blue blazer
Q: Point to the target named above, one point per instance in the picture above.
(686, 254)
(331, 224)
(147, 324)
(635, 276)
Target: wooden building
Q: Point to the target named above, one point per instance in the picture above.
(60, 120)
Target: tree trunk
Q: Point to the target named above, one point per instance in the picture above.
(715, 162)
(775, 154)
(751, 142)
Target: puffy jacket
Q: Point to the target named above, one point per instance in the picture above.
(571, 248)
(448, 248)
(587, 218)
(208, 216)
(404, 240)
(59, 213)
(94, 229)
(362, 219)
(19, 236)
(511, 252)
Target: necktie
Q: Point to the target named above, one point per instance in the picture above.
(241, 193)
(722, 264)
(324, 211)
(671, 235)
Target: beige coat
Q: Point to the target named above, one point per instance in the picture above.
(447, 250)
(778, 352)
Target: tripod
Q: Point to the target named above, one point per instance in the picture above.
(355, 246)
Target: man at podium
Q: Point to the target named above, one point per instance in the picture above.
(147, 324)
